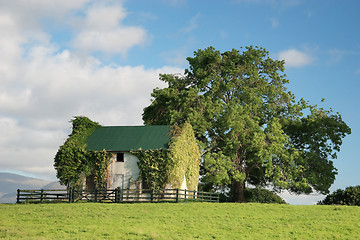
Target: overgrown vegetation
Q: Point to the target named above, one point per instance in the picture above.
(178, 221)
(185, 155)
(73, 163)
(350, 196)
(154, 167)
(157, 167)
(182, 158)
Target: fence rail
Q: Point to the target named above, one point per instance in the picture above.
(117, 195)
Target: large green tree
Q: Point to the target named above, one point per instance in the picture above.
(251, 128)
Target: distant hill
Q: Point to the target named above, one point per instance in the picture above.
(10, 182)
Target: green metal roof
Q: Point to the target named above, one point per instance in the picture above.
(126, 138)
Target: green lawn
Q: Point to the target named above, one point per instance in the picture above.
(177, 221)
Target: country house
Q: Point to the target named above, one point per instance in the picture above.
(124, 141)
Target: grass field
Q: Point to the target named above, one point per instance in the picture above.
(177, 221)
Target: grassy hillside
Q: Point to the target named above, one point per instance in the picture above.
(178, 221)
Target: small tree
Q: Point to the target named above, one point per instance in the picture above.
(349, 196)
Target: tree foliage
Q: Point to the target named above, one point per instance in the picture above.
(350, 196)
(73, 163)
(251, 128)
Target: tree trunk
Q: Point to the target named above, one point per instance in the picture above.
(238, 191)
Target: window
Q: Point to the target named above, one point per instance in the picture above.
(120, 157)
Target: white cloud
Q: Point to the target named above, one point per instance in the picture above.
(223, 34)
(295, 58)
(274, 22)
(301, 199)
(337, 55)
(273, 3)
(309, 13)
(174, 3)
(11, 100)
(101, 30)
(103, 17)
(28, 13)
(192, 25)
(176, 57)
(43, 86)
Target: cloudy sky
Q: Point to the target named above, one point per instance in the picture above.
(101, 59)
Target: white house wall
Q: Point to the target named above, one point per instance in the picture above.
(183, 185)
(123, 174)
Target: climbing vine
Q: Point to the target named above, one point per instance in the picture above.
(73, 163)
(182, 158)
(185, 154)
(99, 162)
(154, 167)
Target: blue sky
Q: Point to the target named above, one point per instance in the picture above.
(101, 59)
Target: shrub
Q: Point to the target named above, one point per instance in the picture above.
(350, 196)
(261, 195)
(257, 195)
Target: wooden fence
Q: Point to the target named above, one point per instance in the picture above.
(41, 195)
(115, 195)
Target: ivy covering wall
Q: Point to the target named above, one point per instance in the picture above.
(185, 154)
(154, 167)
(73, 163)
(182, 158)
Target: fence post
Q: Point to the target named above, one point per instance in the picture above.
(18, 196)
(69, 194)
(73, 192)
(72, 195)
(177, 195)
(118, 195)
(151, 195)
(95, 194)
(41, 195)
